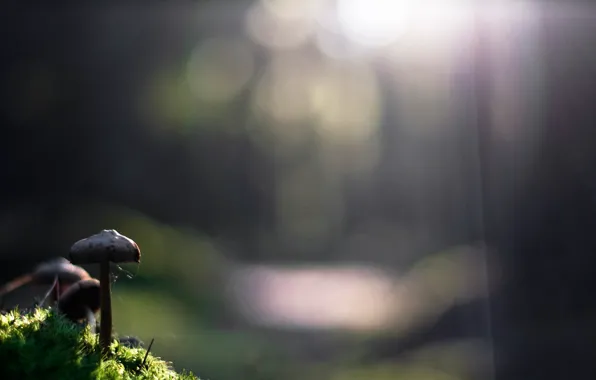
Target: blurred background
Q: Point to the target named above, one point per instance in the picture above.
(321, 189)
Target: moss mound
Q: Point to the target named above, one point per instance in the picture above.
(41, 344)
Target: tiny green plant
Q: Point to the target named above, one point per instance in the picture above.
(44, 344)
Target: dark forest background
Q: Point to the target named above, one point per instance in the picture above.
(306, 211)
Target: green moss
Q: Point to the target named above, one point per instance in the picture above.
(43, 345)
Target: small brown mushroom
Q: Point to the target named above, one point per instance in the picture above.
(102, 248)
(81, 300)
(58, 272)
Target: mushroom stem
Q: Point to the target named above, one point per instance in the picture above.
(90, 319)
(50, 292)
(57, 290)
(105, 329)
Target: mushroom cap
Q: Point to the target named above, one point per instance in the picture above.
(83, 295)
(107, 244)
(45, 273)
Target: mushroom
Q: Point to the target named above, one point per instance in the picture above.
(81, 300)
(58, 272)
(102, 248)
